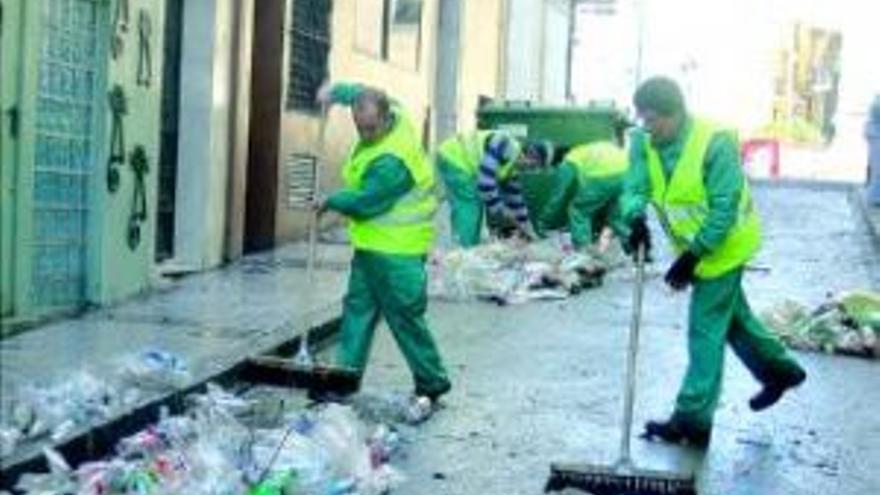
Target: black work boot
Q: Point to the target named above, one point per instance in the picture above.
(677, 432)
(774, 388)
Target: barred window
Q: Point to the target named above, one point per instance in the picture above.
(309, 53)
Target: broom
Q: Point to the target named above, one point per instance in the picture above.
(304, 183)
(623, 477)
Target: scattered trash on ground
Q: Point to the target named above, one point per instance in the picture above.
(514, 272)
(847, 323)
(393, 408)
(216, 449)
(57, 410)
(155, 369)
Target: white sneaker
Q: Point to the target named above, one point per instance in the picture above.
(420, 408)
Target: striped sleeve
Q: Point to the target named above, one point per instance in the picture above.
(487, 182)
(513, 200)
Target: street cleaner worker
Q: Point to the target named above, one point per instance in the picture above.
(480, 172)
(388, 197)
(587, 187)
(689, 170)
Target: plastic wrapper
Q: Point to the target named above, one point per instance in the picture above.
(9, 438)
(59, 410)
(844, 324)
(155, 369)
(388, 408)
(209, 451)
(280, 483)
(512, 272)
(863, 307)
(298, 453)
(59, 480)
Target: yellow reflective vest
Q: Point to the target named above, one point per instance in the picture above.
(599, 159)
(466, 152)
(408, 227)
(682, 205)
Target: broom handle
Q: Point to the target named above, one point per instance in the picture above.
(313, 245)
(632, 353)
(313, 232)
(316, 186)
(310, 259)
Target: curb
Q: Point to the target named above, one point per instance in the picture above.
(870, 215)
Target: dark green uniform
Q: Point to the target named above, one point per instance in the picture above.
(719, 311)
(383, 283)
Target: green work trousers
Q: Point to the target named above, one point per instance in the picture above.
(394, 287)
(585, 222)
(719, 313)
(465, 205)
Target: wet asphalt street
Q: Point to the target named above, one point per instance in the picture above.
(542, 382)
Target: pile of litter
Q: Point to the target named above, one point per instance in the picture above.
(512, 272)
(57, 410)
(848, 323)
(225, 444)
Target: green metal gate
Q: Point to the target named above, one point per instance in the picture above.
(72, 66)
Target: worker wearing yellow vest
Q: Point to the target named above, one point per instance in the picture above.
(587, 187)
(480, 172)
(388, 197)
(689, 170)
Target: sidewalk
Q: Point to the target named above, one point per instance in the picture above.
(211, 320)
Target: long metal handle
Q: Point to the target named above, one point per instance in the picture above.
(312, 248)
(632, 353)
(316, 192)
(303, 356)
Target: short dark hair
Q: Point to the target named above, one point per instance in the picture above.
(375, 98)
(660, 94)
(541, 150)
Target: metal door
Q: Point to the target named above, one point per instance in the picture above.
(70, 89)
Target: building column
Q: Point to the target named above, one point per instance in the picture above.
(204, 148)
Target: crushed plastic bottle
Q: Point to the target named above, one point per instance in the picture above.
(9, 439)
(208, 451)
(278, 483)
(156, 369)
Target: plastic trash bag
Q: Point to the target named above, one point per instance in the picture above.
(155, 369)
(509, 272)
(845, 324)
(392, 408)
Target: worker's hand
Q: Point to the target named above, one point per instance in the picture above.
(681, 273)
(319, 204)
(495, 224)
(639, 235)
(525, 232)
(324, 95)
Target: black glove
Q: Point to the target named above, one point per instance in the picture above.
(526, 233)
(639, 235)
(681, 273)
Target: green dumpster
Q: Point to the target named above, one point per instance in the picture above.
(565, 126)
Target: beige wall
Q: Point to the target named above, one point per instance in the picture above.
(480, 67)
(300, 132)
